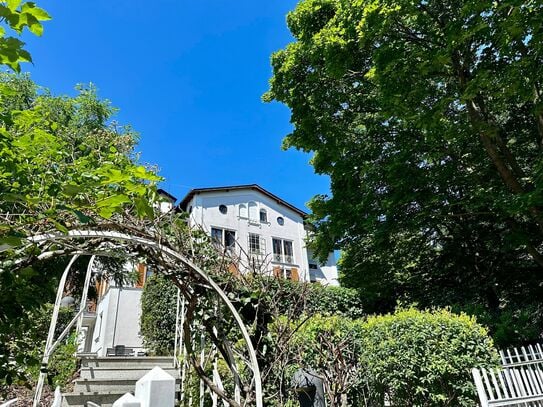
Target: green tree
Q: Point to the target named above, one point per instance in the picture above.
(63, 164)
(16, 15)
(428, 118)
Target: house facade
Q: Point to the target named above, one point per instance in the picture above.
(258, 230)
(254, 228)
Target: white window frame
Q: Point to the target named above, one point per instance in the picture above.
(222, 242)
(282, 257)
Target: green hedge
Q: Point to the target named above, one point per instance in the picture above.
(410, 358)
(157, 323)
(424, 358)
(159, 303)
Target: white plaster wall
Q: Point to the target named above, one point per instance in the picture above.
(325, 274)
(119, 311)
(100, 329)
(127, 325)
(205, 212)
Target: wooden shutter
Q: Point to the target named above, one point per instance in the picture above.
(294, 276)
(98, 285)
(277, 272)
(232, 268)
(141, 275)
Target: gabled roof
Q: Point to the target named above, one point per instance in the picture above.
(166, 195)
(254, 187)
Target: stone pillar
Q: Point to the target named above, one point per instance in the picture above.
(127, 400)
(156, 389)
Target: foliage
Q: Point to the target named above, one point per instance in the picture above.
(16, 15)
(64, 164)
(27, 343)
(422, 358)
(157, 322)
(330, 346)
(428, 118)
(251, 295)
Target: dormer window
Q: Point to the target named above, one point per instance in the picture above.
(263, 216)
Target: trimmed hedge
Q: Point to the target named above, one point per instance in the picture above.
(424, 358)
(410, 358)
(157, 323)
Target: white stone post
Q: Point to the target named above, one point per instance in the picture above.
(128, 400)
(156, 389)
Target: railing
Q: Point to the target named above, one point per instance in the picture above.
(518, 382)
(523, 355)
(280, 258)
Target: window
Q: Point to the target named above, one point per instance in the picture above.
(216, 235)
(263, 216)
(282, 251)
(288, 274)
(243, 211)
(280, 221)
(253, 211)
(148, 273)
(254, 243)
(313, 266)
(287, 245)
(223, 209)
(277, 250)
(229, 239)
(224, 238)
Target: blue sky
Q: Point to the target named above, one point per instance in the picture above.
(188, 76)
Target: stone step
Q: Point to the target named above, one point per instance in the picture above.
(121, 362)
(105, 386)
(128, 373)
(81, 399)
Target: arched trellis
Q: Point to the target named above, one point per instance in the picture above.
(186, 282)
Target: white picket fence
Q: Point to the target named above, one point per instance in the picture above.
(519, 382)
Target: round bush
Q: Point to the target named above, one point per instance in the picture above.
(424, 358)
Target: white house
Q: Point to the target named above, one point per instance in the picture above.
(254, 227)
(258, 228)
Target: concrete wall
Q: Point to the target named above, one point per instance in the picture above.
(118, 320)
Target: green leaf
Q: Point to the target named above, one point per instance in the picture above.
(13, 4)
(8, 242)
(39, 13)
(113, 201)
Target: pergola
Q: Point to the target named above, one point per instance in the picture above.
(210, 333)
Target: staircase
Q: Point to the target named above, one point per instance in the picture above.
(104, 379)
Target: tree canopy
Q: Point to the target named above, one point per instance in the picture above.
(428, 118)
(64, 164)
(15, 16)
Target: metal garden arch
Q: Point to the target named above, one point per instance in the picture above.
(253, 389)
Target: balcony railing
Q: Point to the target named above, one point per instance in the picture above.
(283, 258)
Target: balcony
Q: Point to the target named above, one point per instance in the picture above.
(283, 258)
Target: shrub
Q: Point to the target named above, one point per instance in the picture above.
(157, 323)
(330, 346)
(30, 342)
(423, 358)
(158, 303)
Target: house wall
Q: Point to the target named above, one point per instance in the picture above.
(118, 320)
(204, 211)
(326, 273)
